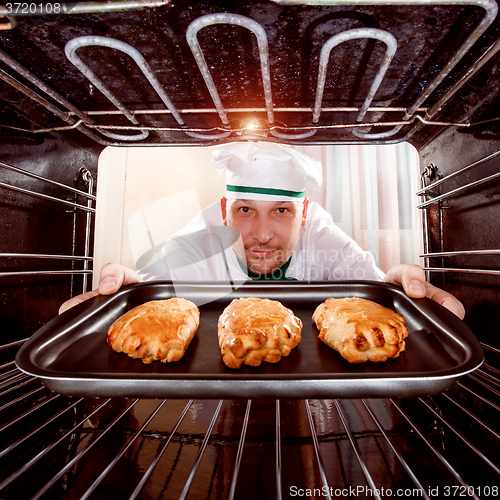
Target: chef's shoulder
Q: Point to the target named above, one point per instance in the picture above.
(321, 230)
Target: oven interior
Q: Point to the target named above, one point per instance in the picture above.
(76, 78)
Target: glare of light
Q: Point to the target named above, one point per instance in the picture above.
(252, 125)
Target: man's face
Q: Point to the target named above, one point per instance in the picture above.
(269, 231)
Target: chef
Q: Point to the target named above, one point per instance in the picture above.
(265, 228)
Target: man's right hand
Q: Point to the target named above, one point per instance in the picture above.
(112, 278)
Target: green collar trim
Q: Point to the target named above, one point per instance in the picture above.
(277, 275)
(269, 191)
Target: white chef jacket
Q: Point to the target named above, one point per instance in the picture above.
(202, 251)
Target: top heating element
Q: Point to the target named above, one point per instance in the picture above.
(315, 71)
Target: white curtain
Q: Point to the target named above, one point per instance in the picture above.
(370, 193)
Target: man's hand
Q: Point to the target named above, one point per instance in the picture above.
(112, 278)
(412, 279)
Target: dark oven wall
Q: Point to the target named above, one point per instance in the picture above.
(464, 221)
(34, 225)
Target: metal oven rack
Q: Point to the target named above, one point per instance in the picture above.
(57, 447)
(430, 197)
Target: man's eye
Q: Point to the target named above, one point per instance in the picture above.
(245, 210)
(282, 210)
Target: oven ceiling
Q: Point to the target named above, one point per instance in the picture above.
(188, 72)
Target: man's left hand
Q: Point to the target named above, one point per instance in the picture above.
(412, 279)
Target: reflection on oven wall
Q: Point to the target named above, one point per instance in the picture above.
(145, 195)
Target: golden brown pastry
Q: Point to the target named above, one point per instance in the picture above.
(252, 330)
(361, 330)
(157, 330)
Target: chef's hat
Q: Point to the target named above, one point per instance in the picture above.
(266, 171)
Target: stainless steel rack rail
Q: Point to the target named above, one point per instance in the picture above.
(88, 208)
(374, 448)
(427, 201)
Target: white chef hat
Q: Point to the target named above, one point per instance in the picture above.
(266, 171)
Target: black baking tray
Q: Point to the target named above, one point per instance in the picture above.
(71, 356)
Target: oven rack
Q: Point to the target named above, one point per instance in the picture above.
(61, 436)
(76, 118)
(89, 209)
(427, 201)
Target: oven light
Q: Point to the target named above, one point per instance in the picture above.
(253, 126)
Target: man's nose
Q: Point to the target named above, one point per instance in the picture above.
(262, 230)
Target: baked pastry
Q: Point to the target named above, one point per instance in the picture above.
(159, 330)
(252, 330)
(361, 330)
